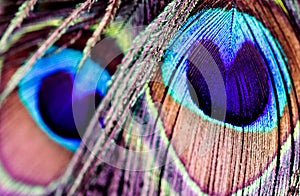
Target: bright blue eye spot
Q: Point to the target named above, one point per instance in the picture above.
(227, 67)
(56, 105)
(246, 84)
(60, 101)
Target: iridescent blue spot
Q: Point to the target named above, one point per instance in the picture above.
(60, 101)
(227, 67)
(56, 105)
(246, 84)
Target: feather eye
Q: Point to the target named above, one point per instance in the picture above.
(60, 99)
(46, 118)
(233, 77)
(231, 66)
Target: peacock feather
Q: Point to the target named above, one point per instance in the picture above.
(149, 97)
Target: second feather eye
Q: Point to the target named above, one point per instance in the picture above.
(233, 71)
(61, 100)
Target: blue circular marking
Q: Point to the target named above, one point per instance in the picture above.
(229, 30)
(91, 76)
